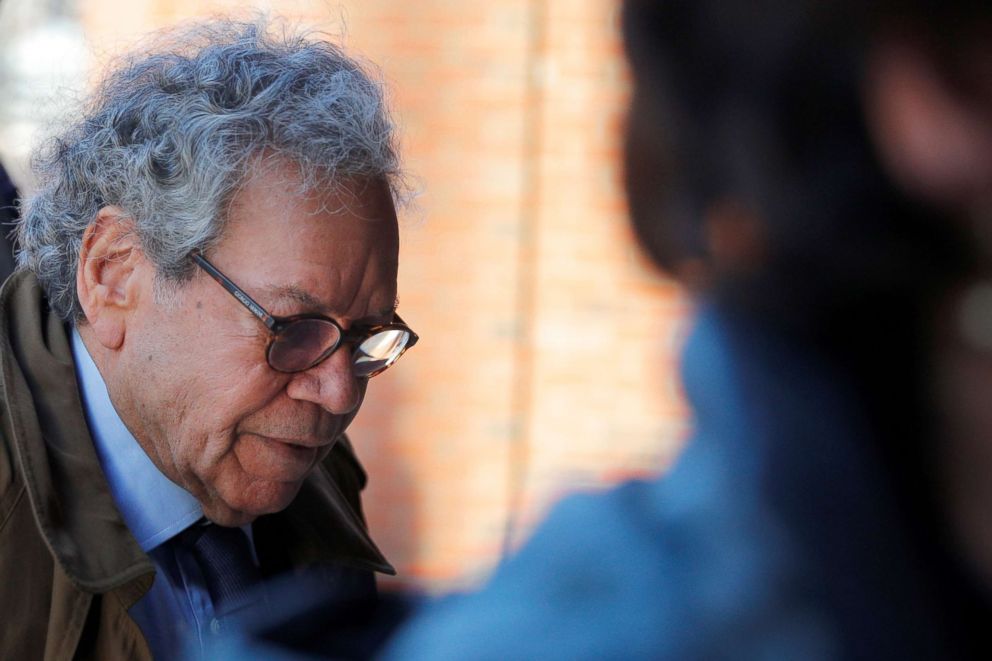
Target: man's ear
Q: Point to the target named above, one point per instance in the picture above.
(107, 284)
(933, 138)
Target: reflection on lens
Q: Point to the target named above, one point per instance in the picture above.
(380, 351)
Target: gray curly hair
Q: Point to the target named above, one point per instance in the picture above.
(169, 137)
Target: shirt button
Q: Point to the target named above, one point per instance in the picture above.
(215, 626)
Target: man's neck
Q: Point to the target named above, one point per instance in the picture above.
(154, 508)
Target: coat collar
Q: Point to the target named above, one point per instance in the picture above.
(320, 527)
(68, 491)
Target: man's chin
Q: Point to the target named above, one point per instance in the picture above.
(259, 499)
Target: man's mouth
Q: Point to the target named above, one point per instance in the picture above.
(300, 443)
(282, 459)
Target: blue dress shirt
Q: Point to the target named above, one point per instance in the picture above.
(176, 614)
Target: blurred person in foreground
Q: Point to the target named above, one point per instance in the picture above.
(207, 280)
(821, 174)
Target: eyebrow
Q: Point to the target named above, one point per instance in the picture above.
(304, 298)
(296, 294)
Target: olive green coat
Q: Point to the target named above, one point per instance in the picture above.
(69, 567)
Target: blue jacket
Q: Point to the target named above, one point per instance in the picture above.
(775, 536)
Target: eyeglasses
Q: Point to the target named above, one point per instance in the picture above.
(301, 341)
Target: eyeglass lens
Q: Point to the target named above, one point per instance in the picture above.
(305, 342)
(301, 343)
(379, 351)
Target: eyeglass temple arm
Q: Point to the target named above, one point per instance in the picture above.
(235, 291)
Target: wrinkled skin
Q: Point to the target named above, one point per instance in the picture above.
(190, 378)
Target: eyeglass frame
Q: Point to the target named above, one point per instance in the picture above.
(276, 324)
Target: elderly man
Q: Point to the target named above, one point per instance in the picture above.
(207, 282)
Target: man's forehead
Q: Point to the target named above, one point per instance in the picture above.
(299, 295)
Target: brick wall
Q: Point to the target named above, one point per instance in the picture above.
(548, 346)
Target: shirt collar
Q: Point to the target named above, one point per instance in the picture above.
(154, 508)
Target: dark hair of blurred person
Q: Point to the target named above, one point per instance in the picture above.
(822, 171)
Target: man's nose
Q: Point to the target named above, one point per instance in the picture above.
(332, 384)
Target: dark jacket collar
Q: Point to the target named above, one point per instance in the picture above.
(69, 494)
